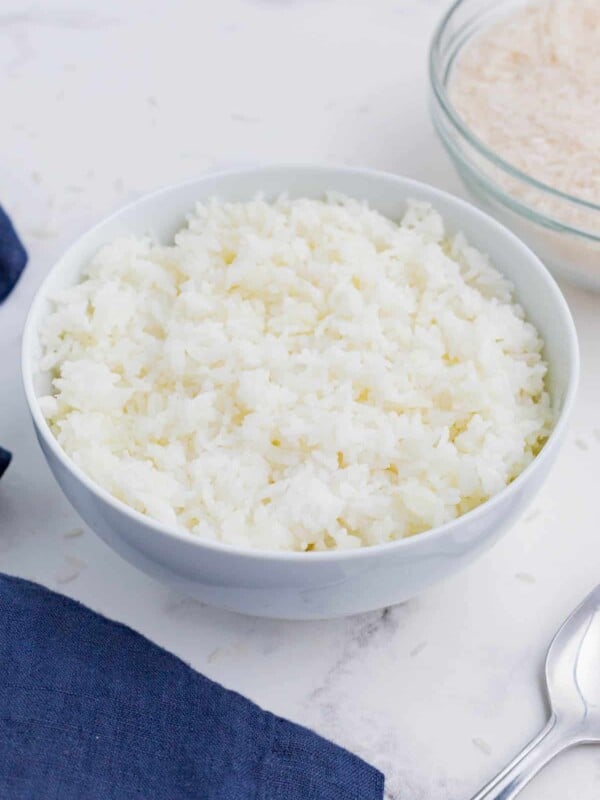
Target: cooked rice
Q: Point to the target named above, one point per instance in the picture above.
(296, 375)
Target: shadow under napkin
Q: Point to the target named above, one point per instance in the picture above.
(90, 710)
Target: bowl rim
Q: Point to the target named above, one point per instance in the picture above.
(419, 541)
(439, 88)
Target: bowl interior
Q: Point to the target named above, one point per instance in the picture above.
(162, 213)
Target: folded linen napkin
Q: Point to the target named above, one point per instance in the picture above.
(13, 259)
(5, 459)
(90, 710)
(13, 256)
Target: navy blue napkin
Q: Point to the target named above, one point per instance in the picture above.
(13, 256)
(5, 459)
(90, 710)
(13, 259)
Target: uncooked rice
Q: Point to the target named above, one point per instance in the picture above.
(296, 375)
(529, 88)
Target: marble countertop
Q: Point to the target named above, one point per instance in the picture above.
(104, 101)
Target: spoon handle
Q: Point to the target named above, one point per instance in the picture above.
(508, 783)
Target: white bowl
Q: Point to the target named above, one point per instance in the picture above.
(324, 584)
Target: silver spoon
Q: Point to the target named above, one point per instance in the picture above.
(573, 682)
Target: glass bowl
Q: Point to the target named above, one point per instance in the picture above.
(563, 229)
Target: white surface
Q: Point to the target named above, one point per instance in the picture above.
(103, 101)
